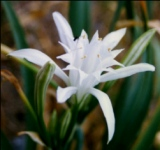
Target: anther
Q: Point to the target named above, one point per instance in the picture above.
(109, 49)
(84, 57)
(100, 39)
(98, 56)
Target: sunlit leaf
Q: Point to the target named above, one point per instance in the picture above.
(34, 136)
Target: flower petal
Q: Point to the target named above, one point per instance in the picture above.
(67, 50)
(32, 55)
(127, 71)
(116, 52)
(106, 107)
(113, 38)
(68, 57)
(84, 36)
(39, 58)
(64, 28)
(64, 93)
(76, 76)
(95, 37)
(108, 62)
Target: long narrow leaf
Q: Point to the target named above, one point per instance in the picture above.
(131, 107)
(28, 75)
(147, 136)
(120, 5)
(5, 144)
(138, 47)
(43, 79)
(79, 16)
(132, 104)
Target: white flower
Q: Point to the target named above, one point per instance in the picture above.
(89, 63)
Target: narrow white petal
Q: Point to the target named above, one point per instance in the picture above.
(70, 67)
(107, 109)
(63, 27)
(39, 58)
(66, 57)
(127, 71)
(67, 50)
(32, 55)
(108, 62)
(84, 36)
(116, 52)
(113, 38)
(76, 76)
(95, 37)
(59, 72)
(64, 93)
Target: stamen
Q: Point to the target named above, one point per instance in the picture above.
(84, 57)
(84, 36)
(109, 49)
(100, 39)
(98, 56)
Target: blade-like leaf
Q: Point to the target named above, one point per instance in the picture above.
(53, 123)
(65, 124)
(27, 75)
(34, 136)
(138, 47)
(131, 107)
(5, 144)
(79, 11)
(147, 135)
(120, 5)
(155, 45)
(43, 79)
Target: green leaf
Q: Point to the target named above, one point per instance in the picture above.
(28, 76)
(43, 79)
(80, 138)
(131, 106)
(79, 16)
(5, 144)
(155, 45)
(53, 123)
(65, 124)
(34, 136)
(147, 135)
(16, 28)
(138, 47)
(120, 5)
(70, 126)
